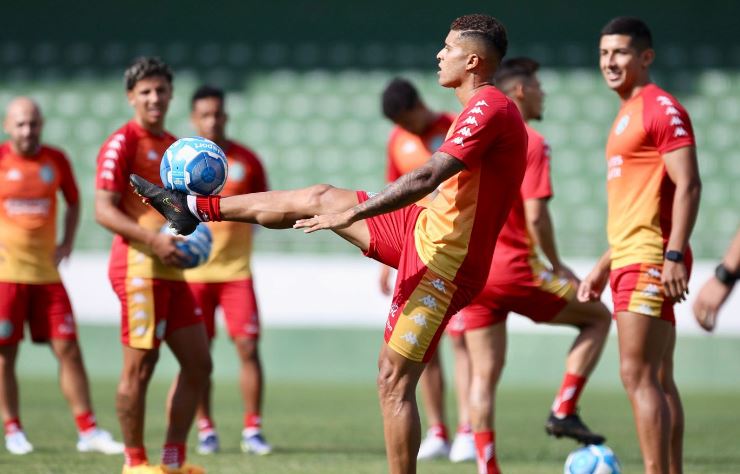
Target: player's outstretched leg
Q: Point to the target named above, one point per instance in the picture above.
(173, 205)
(593, 321)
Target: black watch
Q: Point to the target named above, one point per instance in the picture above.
(725, 276)
(674, 256)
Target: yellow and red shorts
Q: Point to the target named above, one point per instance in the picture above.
(152, 309)
(637, 288)
(238, 302)
(423, 301)
(46, 307)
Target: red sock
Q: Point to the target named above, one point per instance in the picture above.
(465, 428)
(13, 425)
(570, 391)
(135, 456)
(485, 452)
(209, 208)
(85, 422)
(205, 424)
(173, 454)
(439, 430)
(252, 421)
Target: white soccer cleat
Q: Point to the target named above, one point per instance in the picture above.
(433, 447)
(17, 443)
(463, 448)
(253, 442)
(208, 443)
(99, 441)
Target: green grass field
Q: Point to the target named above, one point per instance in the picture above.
(322, 415)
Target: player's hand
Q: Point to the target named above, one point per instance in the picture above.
(675, 280)
(593, 285)
(385, 278)
(707, 304)
(163, 246)
(338, 221)
(566, 273)
(61, 252)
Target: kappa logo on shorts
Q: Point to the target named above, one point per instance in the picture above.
(139, 298)
(68, 326)
(651, 290)
(653, 272)
(439, 284)
(645, 309)
(6, 329)
(429, 301)
(419, 319)
(411, 338)
(140, 315)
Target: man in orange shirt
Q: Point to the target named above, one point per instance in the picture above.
(31, 289)
(653, 191)
(417, 134)
(146, 275)
(442, 251)
(226, 279)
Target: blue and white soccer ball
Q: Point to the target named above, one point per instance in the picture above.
(592, 459)
(196, 246)
(195, 166)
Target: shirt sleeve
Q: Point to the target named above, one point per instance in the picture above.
(474, 132)
(113, 164)
(536, 183)
(667, 124)
(67, 182)
(392, 172)
(259, 177)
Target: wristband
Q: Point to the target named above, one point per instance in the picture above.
(725, 276)
(209, 208)
(674, 256)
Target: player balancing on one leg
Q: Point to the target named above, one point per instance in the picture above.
(417, 134)
(146, 275)
(31, 289)
(442, 252)
(653, 192)
(520, 281)
(226, 279)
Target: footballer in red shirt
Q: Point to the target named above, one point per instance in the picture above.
(146, 273)
(653, 192)
(31, 290)
(442, 251)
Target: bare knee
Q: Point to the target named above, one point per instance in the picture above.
(137, 373)
(317, 199)
(394, 384)
(635, 374)
(67, 350)
(198, 369)
(247, 349)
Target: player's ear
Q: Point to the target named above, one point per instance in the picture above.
(647, 57)
(473, 61)
(130, 97)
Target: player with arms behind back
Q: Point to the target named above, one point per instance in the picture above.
(146, 275)
(417, 134)
(442, 251)
(653, 191)
(226, 279)
(31, 290)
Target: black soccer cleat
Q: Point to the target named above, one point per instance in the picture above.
(572, 427)
(173, 205)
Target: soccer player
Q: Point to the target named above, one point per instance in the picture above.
(417, 134)
(146, 275)
(715, 290)
(31, 289)
(442, 251)
(226, 279)
(520, 281)
(653, 191)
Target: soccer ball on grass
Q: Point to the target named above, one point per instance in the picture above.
(592, 459)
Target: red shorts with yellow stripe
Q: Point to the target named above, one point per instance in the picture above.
(637, 288)
(423, 301)
(46, 307)
(152, 309)
(540, 300)
(238, 302)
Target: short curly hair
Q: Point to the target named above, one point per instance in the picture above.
(484, 27)
(144, 67)
(399, 96)
(640, 36)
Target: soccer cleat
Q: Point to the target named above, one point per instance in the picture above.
(433, 446)
(141, 469)
(208, 443)
(255, 443)
(184, 469)
(17, 443)
(173, 205)
(571, 426)
(463, 448)
(100, 441)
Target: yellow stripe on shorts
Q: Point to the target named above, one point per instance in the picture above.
(647, 297)
(140, 305)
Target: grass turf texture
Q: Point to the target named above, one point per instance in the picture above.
(322, 414)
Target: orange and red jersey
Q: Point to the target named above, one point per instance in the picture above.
(133, 149)
(639, 191)
(456, 234)
(28, 203)
(407, 151)
(231, 251)
(515, 256)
